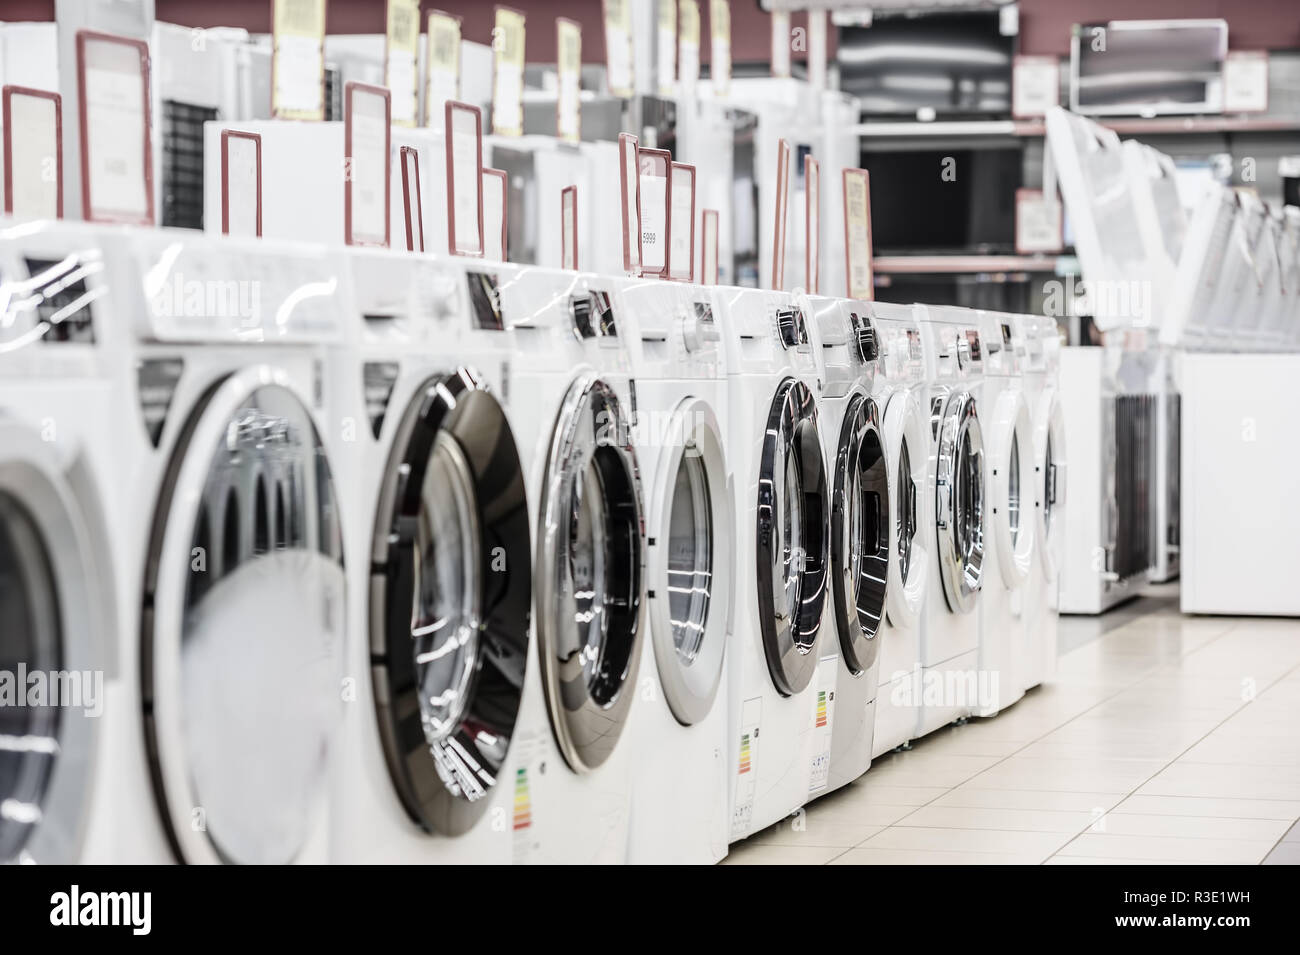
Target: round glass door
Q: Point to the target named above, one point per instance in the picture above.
(959, 504)
(690, 557)
(243, 633)
(792, 537)
(451, 584)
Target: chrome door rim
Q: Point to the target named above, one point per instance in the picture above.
(1012, 428)
(959, 502)
(1049, 426)
(906, 425)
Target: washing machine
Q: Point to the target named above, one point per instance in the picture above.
(678, 726)
(571, 404)
(1009, 543)
(1042, 613)
(852, 424)
(231, 554)
(957, 506)
(439, 567)
(779, 684)
(58, 408)
(900, 389)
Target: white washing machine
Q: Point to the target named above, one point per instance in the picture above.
(900, 388)
(776, 673)
(853, 438)
(232, 558)
(957, 507)
(1009, 542)
(678, 726)
(571, 404)
(58, 409)
(1041, 614)
(439, 567)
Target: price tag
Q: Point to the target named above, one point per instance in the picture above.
(653, 165)
(667, 48)
(241, 183)
(412, 199)
(464, 136)
(812, 222)
(1038, 222)
(709, 255)
(781, 43)
(33, 153)
(681, 222)
(366, 183)
(569, 228)
(494, 214)
(720, 34)
(508, 73)
(116, 152)
(443, 82)
(630, 187)
(1035, 86)
(618, 47)
(568, 103)
(857, 234)
(782, 211)
(298, 59)
(688, 44)
(402, 58)
(1245, 82)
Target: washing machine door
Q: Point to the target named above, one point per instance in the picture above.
(1049, 480)
(450, 594)
(243, 619)
(689, 550)
(590, 555)
(959, 502)
(860, 533)
(53, 642)
(793, 529)
(1012, 470)
(906, 443)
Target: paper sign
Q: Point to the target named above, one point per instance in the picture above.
(781, 43)
(298, 59)
(681, 222)
(508, 73)
(569, 228)
(630, 187)
(618, 47)
(667, 47)
(241, 183)
(1038, 223)
(402, 59)
(746, 784)
(720, 34)
(366, 183)
(688, 44)
(568, 103)
(857, 234)
(411, 199)
(709, 254)
(464, 134)
(782, 211)
(1035, 86)
(812, 222)
(33, 153)
(443, 65)
(823, 723)
(653, 165)
(1245, 82)
(494, 214)
(116, 153)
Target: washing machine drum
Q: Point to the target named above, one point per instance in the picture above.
(860, 533)
(242, 628)
(590, 554)
(451, 586)
(793, 525)
(960, 502)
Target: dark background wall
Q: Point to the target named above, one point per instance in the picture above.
(1044, 24)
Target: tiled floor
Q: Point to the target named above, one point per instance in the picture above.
(1163, 739)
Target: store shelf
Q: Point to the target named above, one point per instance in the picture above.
(954, 264)
(1167, 125)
